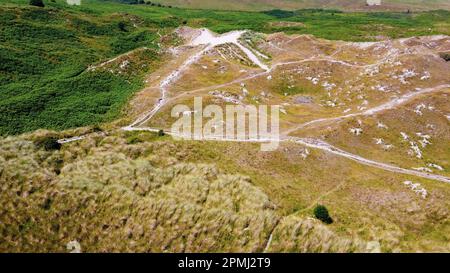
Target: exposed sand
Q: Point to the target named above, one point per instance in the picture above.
(209, 40)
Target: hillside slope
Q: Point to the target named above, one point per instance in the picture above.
(348, 5)
(44, 75)
(112, 196)
(46, 52)
(364, 115)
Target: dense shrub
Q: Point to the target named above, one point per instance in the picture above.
(122, 26)
(48, 143)
(321, 213)
(279, 13)
(445, 56)
(37, 3)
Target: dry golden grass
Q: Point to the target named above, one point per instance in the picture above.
(111, 196)
(136, 191)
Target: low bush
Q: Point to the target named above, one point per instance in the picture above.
(48, 143)
(321, 213)
(37, 3)
(445, 56)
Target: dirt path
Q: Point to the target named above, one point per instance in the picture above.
(380, 108)
(321, 145)
(209, 40)
(93, 67)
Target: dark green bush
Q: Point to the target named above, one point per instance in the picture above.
(48, 143)
(134, 139)
(321, 213)
(122, 26)
(96, 128)
(445, 56)
(277, 13)
(37, 3)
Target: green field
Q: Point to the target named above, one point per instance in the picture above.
(348, 5)
(44, 52)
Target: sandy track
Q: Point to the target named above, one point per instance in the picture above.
(209, 41)
(380, 108)
(318, 144)
(321, 145)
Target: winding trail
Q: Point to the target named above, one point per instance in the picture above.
(380, 108)
(209, 40)
(321, 145)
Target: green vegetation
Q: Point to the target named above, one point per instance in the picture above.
(348, 5)
(321, 213)
(37, 3)
(330, 24)
(134, 137)
(44, 78)
(48, 143)
(445, 56)
(289, 90)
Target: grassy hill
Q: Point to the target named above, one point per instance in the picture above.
(118, 191)
(348, 5)
(112, 196)
(139, 192)
(46, 52)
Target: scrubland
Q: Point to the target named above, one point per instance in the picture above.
(112, 196)
(119, 191)
(141, 192)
